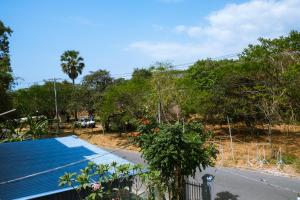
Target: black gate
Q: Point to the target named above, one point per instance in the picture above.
(193, 191)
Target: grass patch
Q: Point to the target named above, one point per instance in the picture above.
(297, 165)
(289, 159)
(293, 160)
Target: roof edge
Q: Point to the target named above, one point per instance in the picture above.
(45, 193)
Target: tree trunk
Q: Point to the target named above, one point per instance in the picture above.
(270, 138)
(231, 144)
(75, 110)
(179, 185)
(106, 125)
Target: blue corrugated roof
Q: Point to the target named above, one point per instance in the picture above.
(19, 159)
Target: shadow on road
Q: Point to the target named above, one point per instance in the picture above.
(226, 196)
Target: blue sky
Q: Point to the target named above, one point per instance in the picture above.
(122, 35)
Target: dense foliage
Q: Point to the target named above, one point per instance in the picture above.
(6, 77)
(259, 87)
(39, 99)
(23, 129)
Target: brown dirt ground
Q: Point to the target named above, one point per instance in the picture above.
(246, 149)
(98, 137)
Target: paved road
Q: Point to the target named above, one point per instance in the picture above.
(237, 184)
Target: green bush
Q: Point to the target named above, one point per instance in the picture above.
(176, 151)
(103, 181)
(289, 159)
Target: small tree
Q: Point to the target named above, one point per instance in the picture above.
(176, 151)
(93, 87)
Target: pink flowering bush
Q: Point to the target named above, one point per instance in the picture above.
(96, 186)
(112, 180)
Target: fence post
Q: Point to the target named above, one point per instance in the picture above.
(248, 158)
(184, 190)
(222, 155)
(207, 187)
(231, 145)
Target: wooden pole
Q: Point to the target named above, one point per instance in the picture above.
(159, 103)
(231, 145)
(159, 112)
(183, 125)
(7, 112)
(55, 101)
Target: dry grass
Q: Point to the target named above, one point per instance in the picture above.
(98, 137)
(247, 150)
(111, 140)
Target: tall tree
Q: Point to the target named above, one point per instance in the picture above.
(6, 77)
(72, 64)
(166, 98)
(271, 63)
(97, 80)
(93, 86)
(123, 101)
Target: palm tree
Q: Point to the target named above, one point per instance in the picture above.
(72, 65)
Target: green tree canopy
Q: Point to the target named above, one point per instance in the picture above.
(97, 80)
(6, 77)
(40, 99)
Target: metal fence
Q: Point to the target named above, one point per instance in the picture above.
(196, 191)
(193, 191)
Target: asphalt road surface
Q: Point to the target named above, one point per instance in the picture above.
(237, 184)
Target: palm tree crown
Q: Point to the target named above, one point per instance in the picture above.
(72, 64)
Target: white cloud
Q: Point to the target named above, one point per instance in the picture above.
(229, 30)
(248, 21)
